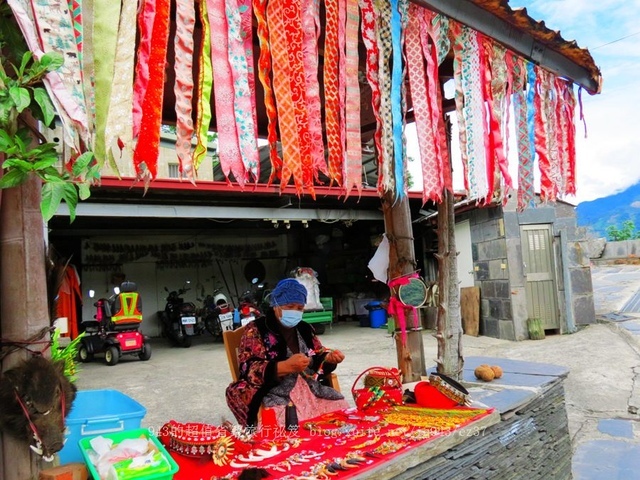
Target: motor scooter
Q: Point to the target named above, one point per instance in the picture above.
(252, 302)
(217, 313)
(179, 319)
(114, 329)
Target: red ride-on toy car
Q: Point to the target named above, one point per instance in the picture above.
(114, 330)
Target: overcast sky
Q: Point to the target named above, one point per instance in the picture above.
(608, 159)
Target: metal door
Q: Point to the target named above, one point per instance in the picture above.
(539, 271)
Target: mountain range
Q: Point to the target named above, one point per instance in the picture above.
(614, 209)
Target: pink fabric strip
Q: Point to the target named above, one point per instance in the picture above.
(311, 32)
(146, 16)
(228, 146)
(183, 88)
(242, 104)
(353, 159)
(399, 309)
(246, 27)
(431, 175)
(567, 131)
(436, 27)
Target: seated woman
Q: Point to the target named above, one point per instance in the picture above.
(282, 361)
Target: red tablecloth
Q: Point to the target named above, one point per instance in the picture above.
(344, 443)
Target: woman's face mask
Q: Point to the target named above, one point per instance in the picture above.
(291, 318)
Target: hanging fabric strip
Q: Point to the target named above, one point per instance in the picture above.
(294, 40)
(331, 92)
(311, 32)
(224, 96)
(205, 81)
(567, 134)
(291, 166)
(495, 93)
(243, 105)
(105, 37)
(246, 27)
(57, 35)
(146, 16)
(470, 109)
(436, 28)
(75, 9)
(342, 80)
(353, 158)
(399, 309)
(386, 181)
(118, 131)
(183, 87)
(264, 73)
(526, 191)
(431, 174)
(397, 80)
(531, 107)
(369, 30)
(145, 156)
(88, 70)
(542, 126)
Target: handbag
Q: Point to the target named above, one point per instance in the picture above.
(382, 389)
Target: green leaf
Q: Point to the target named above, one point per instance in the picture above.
(13, 178)
(19, 164)
(26, 58)
(42, 99)
(82, 164)
(52, 194)
(53, 177)
(6, 141)
(45, 163)
(84, 190)
(20, 97)
(52, 61)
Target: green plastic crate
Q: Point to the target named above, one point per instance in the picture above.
(162, 472)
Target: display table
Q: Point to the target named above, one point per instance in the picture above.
(519, 430)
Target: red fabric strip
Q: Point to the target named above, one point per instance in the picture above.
(145, 156)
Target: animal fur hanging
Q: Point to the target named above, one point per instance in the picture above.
(35, 397)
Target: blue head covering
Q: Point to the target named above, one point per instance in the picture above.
(288, 291)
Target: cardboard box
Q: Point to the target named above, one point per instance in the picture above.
(72, 471)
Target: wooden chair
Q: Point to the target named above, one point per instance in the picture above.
(232, 344)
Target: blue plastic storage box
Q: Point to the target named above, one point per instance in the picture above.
(377, 314)
(96, 412)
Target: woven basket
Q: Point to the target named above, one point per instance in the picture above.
(381, 377)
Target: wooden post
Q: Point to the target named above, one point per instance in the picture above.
(23, 299)
(397, 222)
(449, 323)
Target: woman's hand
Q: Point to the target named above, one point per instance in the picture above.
(334, 356)
(296, 363)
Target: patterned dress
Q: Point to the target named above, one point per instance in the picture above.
(261, 348)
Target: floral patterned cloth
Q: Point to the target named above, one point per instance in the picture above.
(261, 348)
